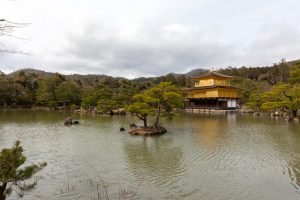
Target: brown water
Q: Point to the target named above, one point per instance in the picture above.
(211, 157)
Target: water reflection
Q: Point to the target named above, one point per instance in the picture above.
(295, 165)
(155, 159)
(210, 131)
(201, 157)
(25, 116)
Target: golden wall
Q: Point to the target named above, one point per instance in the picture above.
(212, 81)
(212, 93)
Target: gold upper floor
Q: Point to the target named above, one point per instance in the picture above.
(216, 92)
(212, 79)
(212, 85)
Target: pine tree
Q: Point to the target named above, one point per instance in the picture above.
(11, 175)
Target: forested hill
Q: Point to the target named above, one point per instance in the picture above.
(94, 77)
(29, 87)
(278, 72)
(90, 80)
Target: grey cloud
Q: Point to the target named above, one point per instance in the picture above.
(274, 43)
(151, 52)
(156, 50)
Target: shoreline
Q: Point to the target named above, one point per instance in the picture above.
(274, 115)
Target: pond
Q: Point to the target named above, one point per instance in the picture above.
(211, 157)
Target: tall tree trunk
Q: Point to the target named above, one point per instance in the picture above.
(145, 121)
(157, 116)
(2, 190)
(294, 113)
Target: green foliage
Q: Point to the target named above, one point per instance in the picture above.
(142, 104)
(107, 99)
(18, 90)
(160, 99)
(275, 98)
(92, 97)
(32, 87)
(278, 73)
(11, 175)
(46, 94)
(295, 73)
(68, 92)
(255, 100)
(167, 96)
(282, 96)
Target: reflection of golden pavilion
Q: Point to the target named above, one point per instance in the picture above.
(212, 91)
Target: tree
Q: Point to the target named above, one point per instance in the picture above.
(158, 100)
(105, 100)
(248, 88)
(283, 96)
(142, 105)
(11, 175)
(91, 97)
(47, 90)
(68, 92)
(295, 73)
(255, 100)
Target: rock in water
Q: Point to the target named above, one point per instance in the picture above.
(147, 131)
(122, 129)
(75, 122)
(133, 125)
(68, 121)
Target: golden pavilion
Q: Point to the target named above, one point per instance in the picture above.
(211, 91)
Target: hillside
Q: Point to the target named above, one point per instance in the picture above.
(95, 77)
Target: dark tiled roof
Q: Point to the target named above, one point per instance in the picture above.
(209, 87)
(208, 74)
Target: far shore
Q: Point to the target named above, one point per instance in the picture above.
(275, 114)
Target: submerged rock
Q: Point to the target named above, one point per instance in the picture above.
(288, 118)
(256, 114)
(133, 125)
(122, 129)
(147, 131)
(68, 121)
(120, 111)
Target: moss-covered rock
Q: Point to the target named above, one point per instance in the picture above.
(147, 131)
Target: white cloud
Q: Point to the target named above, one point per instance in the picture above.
(143, 38)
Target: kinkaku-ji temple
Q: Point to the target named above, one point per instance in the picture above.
(211, 91)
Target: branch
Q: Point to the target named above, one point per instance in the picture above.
(16, 23)
(6, 29)
(139, 116)
(12, 51)
(290, 97)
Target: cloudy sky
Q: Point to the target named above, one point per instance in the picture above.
(132, 38)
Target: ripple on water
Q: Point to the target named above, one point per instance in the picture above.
(210, 158)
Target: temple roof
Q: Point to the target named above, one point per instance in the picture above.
(212, 73)
(209, 87)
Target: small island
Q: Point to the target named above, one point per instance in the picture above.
(158, 101)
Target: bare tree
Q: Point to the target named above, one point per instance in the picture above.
(7, 28)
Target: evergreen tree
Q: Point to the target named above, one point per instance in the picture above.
(160, 99)
(11, 175)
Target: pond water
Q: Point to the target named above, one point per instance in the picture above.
(211, 157)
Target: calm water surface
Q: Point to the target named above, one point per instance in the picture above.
(211, 157)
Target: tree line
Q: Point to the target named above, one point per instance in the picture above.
(261, 88)
(269, 88)
(27, 88)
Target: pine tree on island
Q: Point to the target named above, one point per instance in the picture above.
(157, 101)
